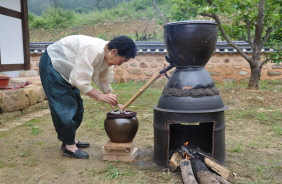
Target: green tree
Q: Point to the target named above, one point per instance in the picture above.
(257, 22)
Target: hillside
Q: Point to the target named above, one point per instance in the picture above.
(135, 18)
(104, 30)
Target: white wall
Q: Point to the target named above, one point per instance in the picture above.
(11, 38)
(11, 4)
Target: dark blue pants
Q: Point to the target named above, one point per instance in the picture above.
(65, 102)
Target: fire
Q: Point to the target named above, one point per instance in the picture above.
(186, 156)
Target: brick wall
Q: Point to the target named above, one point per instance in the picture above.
(222, 67)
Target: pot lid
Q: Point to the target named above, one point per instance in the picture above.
(191, 22)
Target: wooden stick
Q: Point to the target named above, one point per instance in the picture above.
(187, 172)
(141, 90)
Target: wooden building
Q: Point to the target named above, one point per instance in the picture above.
(14, 37)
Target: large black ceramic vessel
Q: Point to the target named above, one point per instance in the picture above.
(190, 108)
(190, 42)
(190, 45)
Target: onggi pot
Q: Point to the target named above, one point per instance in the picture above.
(121, 127)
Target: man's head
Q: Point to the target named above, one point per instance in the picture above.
(125, 46)
(119, 50)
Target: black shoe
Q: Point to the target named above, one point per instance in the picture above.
(78, 145)
(77, 154)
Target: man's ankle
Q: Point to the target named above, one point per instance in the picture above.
(71, 148)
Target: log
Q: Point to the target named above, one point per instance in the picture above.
(221, 179)
(217, 167)
(203, 174)
(187, 172)
(205, 177)
(175, 161)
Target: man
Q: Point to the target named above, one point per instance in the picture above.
(67, 69)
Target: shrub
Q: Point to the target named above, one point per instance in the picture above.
(38, 23)
(52, 18)
(31, 17)
(141, 4)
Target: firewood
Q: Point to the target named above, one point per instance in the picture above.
(217, 167)
(221, 179)
(206, 177)
(187, 172)
(175, 161)
(202, 173)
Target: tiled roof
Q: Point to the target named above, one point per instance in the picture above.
(157, 47)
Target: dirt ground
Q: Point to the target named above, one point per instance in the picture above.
(30, 151)
(107, 30)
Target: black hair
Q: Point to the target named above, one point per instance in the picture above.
(125, 46)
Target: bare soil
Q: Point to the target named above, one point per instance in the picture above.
(107, 30)
(31, 152)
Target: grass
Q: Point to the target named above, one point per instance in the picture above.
(253, 140)
(34, 127)
(238, 149)
(272, 85)
(269, 85)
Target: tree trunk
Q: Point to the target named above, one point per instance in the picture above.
(255, 77)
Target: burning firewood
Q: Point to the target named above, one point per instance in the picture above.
(185, 167)
(204, 175)
(210, 162)
(217, 167)
(175, 160)
(194, 164)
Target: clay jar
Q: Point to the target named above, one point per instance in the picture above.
(121, 127)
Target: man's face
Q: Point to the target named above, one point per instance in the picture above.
(114, 59)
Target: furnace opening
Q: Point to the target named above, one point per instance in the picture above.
(199, 136)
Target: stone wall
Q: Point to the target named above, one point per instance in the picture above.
(222, 67)
(21, 101)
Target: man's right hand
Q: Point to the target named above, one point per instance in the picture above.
(109, 98)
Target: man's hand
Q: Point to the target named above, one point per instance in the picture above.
(120, 106)
(108, 97)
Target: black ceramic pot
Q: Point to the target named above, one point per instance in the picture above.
(190, 88)
(121, 127)
(190, 42)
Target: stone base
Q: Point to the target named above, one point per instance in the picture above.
(125, 152)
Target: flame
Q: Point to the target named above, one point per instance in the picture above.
(186, 155)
